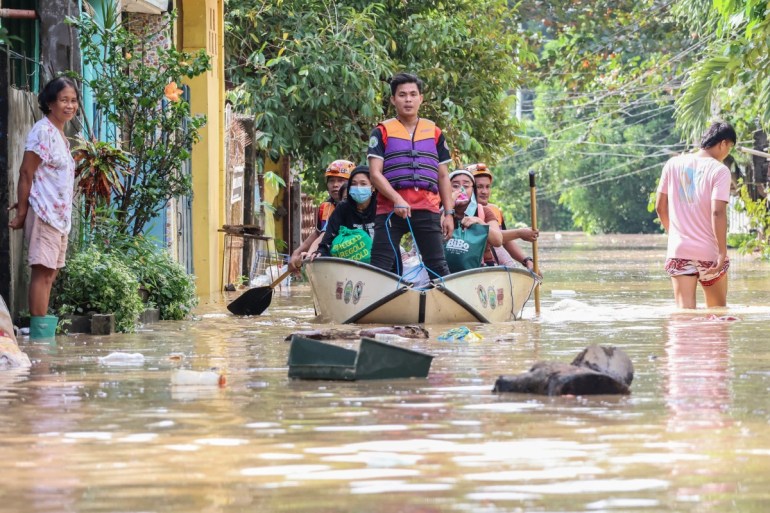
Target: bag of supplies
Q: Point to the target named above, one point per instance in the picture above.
(353, 244)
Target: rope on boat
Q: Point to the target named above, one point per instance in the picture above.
(416, 270)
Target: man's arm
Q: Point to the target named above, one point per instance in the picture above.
(527, 234)
(517, 254)
(295, 262)
(719, 226)
(445, 193)
(661, 207)
(385, 189)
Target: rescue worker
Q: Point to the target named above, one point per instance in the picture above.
(408, 159)
(510, 250)
(337, 174)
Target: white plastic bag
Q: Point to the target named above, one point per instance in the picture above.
(415, 273)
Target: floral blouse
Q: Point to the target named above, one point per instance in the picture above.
(54, 180)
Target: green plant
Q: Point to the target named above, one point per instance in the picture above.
(142, 99)
(100, 167)
(758, 211)
(170, 288)
(99, 282)
(739, 240)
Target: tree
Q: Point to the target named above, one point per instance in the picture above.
(732, 74)
(310, 72)
(314, 74)
(602, 121)
(141, 97)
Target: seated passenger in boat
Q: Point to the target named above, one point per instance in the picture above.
(357, 211)
(468, 212)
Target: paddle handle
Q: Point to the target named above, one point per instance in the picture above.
(280, 279)
(533, 212)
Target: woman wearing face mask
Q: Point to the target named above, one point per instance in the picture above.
(356, 211)
(468, 212)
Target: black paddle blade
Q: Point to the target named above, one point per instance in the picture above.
(252, 302)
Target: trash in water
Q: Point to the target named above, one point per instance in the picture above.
(461, 333)
(714, 317)
(176, 357)
(122, 359)
(390, 337)
(192, 378)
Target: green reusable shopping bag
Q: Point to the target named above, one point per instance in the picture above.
(466, 247)
(353, 244)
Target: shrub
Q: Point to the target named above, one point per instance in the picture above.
(171, 289)
(93, 281)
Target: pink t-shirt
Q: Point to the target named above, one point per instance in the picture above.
(54, 180)
(691, 183)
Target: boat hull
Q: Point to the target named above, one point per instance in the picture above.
(345, 291)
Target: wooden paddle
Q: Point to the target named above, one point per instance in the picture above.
(533, 210)
(255, 301)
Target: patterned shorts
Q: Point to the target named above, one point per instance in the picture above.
(684, 267)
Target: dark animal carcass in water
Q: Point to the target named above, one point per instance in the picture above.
(353, 334)
(596, 370)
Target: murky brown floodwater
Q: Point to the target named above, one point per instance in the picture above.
(694, 436)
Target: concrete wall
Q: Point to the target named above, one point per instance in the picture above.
(59, 48)
(22, 114)
(59, 51)
(201, 27)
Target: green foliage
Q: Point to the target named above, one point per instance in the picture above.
(143, 100)
(759, 223)
(314, 73)
(100, 168)
(732, 74)
(170, 288)
(310, 73)
(98, 282)
(602, 119)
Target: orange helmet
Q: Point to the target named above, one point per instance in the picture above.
(479, 169)
(340, 168)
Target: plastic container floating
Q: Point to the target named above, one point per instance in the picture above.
(42, 326)
(120, 359)
(311, 359)
(184, 377)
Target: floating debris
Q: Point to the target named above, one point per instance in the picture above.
(119, 358)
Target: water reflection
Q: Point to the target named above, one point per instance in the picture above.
(697, 391)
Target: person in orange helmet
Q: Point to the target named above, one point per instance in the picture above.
(483, 176)
(337, 175)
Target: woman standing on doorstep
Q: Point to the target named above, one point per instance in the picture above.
(45, 190)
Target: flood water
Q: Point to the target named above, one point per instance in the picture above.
(693, 436)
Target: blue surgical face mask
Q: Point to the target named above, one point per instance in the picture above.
(360, 194)
(472, 206)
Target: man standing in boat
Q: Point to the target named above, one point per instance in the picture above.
(408, 159)
(337, 175)
(510, 250)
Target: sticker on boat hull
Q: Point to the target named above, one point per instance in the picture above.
(492, 298)
(348, 291)
(338, 292)
(482, 295)
(357, 291)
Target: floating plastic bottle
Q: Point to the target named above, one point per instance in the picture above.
(389, 337)
(185, 377)
(119, 358)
